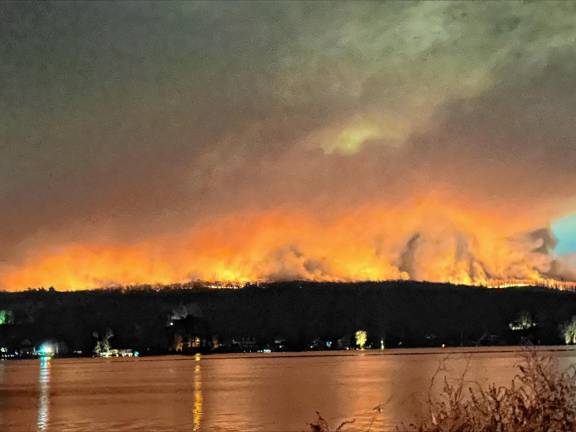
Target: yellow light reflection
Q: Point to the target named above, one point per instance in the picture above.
(198, 400)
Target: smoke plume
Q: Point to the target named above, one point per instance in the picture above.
(164, 142)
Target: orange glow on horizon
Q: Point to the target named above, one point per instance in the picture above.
(456, 243)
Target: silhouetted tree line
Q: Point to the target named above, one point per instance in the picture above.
(299, 314)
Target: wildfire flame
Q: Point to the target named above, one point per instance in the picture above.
(433, 240)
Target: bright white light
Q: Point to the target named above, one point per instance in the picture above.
(46, 349)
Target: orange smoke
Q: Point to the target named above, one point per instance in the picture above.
(432, 239)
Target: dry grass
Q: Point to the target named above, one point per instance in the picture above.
(540, 398)
(321, 425)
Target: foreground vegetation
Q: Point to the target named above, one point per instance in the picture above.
(540, 398)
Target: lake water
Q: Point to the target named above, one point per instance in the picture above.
(253, 392)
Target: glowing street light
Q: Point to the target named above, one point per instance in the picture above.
(46, 350)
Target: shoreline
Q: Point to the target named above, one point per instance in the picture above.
(433, 351)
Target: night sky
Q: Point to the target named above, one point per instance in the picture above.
(145, 142)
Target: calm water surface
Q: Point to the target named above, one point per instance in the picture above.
(264, 392)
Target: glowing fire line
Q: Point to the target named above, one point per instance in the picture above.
(433, 240)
